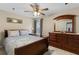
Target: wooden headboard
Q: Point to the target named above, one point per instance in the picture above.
(5, 33)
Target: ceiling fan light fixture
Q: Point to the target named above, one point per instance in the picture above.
(36, 14)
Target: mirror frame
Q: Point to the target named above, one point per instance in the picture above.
(62, 17)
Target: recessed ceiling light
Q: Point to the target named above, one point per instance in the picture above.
(66, 3)
(13, 8)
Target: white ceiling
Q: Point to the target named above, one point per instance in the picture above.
(21, 7)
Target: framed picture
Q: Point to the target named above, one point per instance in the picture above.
(14, 20)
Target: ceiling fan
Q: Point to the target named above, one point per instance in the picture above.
(37, 10)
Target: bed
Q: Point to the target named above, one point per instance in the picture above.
(25, 45)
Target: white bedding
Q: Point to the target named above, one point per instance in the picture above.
(10, 43)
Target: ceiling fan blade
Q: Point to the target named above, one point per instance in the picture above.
(28, 11)
(42, 13)
(36, 5)
(32, 7)
(45, 9)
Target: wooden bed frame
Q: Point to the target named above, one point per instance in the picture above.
(36, 48)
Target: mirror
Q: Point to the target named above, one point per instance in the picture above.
(64, 23)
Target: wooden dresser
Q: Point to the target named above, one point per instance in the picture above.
(66, 41)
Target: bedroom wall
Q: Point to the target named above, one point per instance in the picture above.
(48, 23)
(27, 22)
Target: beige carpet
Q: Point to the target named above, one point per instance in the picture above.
(57, 51)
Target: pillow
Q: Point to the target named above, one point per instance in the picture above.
(13, 33)
(24, 32)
